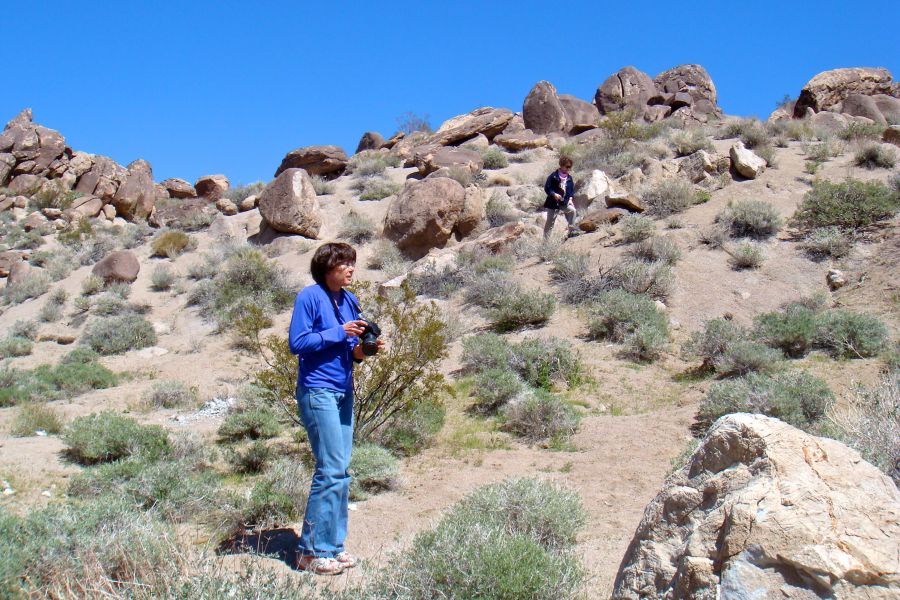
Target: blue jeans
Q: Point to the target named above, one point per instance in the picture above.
(327, 416)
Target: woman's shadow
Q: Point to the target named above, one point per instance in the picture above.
(278, 543)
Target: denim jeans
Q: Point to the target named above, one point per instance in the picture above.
(327, 416)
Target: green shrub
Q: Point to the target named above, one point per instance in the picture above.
(377, 188)
(32, 286)
(670, 196)
(792, 330)
(618, 316)
(498, 210)
(746, 255)
(795, 397)
(107, 436)
(53, 194)
(826, 242)
(32, 418)
(239, 193)
(257, 422)
(636, 228)
(12, 346)
(637, 277)
(568, 265)
(371, 162)
(253, 458)
(657, 249)
(725, 348)
(850, 204)
(522, 308)
(357, 228)
(171, 244)
(93, 284)
(753, 218)
(687, 142)
(115, 335)
(162, 278)
(861, 131)
(52, 309)
(875, 156)
(76, 373)
(847, 334)
(539, 362)
(373, 469)
(170, 393)
(277, 499)
(412, 430)
(494, 158)
(493, 388)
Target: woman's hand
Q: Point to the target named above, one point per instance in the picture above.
(358, 352)
(354, 328)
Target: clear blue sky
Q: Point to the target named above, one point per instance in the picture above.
(199, 87)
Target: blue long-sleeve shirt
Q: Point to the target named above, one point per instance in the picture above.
(317, 336)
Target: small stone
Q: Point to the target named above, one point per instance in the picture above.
(161, 328)
(40, 433)
(835, 279)
(46, 494)
(151, 352)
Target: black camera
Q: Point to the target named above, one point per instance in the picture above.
(369, 338)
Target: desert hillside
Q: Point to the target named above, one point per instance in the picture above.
(149, 445)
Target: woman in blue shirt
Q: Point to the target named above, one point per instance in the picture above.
(324, 333)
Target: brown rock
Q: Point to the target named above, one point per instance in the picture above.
(26, 184)
(690, 85)
(19, 272)
(626, 88)
(190, 214)
(625, 200)
(515, 125)
(289, 204)
(429, 159)
(212, 187)
(580, 115)
(109, 211)
(891, 135)
(226, 206)
(136, 196)
(120, 265)
(86, 206)
(370, 140)
(6, 204)
(828, 121)
(80, 163)
(862, 106)
(327, 161)
(63, 339)
(829, 88)
(422, 216)
(523, 140)
(102, 179)
(8, 259)
(542, 111)
(698, 165)
(497, 239)
(392, 141)
(595, 218)
(472, 211)
(7, 162)
(34, 221)
(764, 510)
(179, 188)
(487, 121)
(51, 146)
(889, 107)
(248, 203)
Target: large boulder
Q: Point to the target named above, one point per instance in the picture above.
(487, 121)
(7, 162)
(764, 510)
(595, 219)
(9, 259)
(580, 115)
(593, 188)
(289, 204)
(542, 111)
(829, 88)
(428, 159)
(423, 215)
(325, 160)
(121, 265)
(888, 106)
(522, 140)
(627, 88)
(688, 85)
(102, 179)
(472, 213)
(136, 196)
(370, 140)
(211, 187)
(745, 162)
(891, 135)
(191, 214)
(828, 121)
(84, 207)
(858, 105)
(179, 188)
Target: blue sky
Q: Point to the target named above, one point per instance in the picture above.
(230, 87)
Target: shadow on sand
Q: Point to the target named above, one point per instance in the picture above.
(275, 543)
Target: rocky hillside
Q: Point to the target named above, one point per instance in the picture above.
(724, 265)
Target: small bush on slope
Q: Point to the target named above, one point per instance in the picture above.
(849, 205)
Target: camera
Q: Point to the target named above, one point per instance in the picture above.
(369, 337)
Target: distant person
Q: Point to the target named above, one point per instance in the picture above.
(324, 332)
(560, 189)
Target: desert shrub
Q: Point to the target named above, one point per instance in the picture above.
(539, 362)
(162, 278)
(32, 286)
(894, 182)
(826, 242)
(92, 284)
(686, 142)
(277, 499)
(205, 269)
(767, 153)
(13, 237)
(670, 196)
(847, 334)
(539, 415)
(746, 255)
(615, 157)
(646, 344)
(753, 218)
(24, 328)
(618, 315)
(861, 131)
(823, 151)
(850, 204)
(506, 541)
(32, 418)
(494, 158)
(386, 257)
(12, 346)
(657, 249)
(115, 335)
(568, 265)
(373, 469)
(253, 422)
(322, 186)
(869, 421)
(437, 283)
(637, 277)
(107, 436)
(239, 193)
(798, 130)
(795, 397)
(493, 388)
(357, 228)
(76, 373)
(792, 330)
(498, 210)
(522, 308)
(625, 125)
(110, 304)
(170, 393)
(489, 291)
(58, 264)
(171, 244)
(713, 236)
(371, 162)
(251, 459)
(376, 188)
(750, 131)
(875, 156)
(725, 347)
(636, 228)
(412, 431)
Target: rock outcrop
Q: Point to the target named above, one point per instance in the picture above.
(827, 90)
(580, 115)
(688, 86)
(327, 160)
(627, 88)
(289, 204)
(424, 214)
(136, 196)
(764, 510)
(370, 140)
(542, 110)
(429, 159)
(212, 187)
(487, 121)
(745, 162)
(179, 188)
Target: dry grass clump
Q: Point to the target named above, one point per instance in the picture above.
(32, 418)
(688, 141)
(170, 393)
(875, 156)
(376, 188)
(657, 249)
(171, 244)
(539, 415)
(36, 284)
(162, 278)
(745, 255)
(239, 193)
(632, 320)
(118, 334)
(636, 228)
(499, 210)
(670, 196)
(827, 242)
(371, 162)
(357, 228)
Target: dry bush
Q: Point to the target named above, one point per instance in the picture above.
(670, 196)
(746, 255)
(750, 218)
(875, 156)
(171, 244)
(357, 228)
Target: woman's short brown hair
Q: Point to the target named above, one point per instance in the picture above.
(328, 256)
(565, 161)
